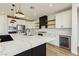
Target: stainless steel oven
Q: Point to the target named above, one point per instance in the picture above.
(65, 41)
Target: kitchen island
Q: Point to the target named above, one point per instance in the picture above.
(28, 45)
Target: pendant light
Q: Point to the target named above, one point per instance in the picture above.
(13, 21)
(19, 13)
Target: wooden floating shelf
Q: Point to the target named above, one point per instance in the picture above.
(37, 26)
(36, 23)
(51, 24)
(51, 20)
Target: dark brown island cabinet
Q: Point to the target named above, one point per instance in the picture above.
(36, 51)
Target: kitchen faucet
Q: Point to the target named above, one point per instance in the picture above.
(27, 31)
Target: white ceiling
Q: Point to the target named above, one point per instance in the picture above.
(40, 9)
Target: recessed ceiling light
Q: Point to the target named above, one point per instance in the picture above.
(12, 9)
(50, 5)
(32, 7)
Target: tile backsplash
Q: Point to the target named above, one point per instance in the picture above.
(58, 31)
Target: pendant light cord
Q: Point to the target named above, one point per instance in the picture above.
(19, 8)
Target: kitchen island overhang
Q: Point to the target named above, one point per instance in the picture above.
(36, 51)
(22, 44)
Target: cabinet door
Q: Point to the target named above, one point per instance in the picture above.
(67, 19)
(36, 51)
(39, 50)
(3, 24)
(64, 19)
(25, 53)
(59, 21)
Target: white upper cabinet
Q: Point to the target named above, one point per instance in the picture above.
(3, 25)
(64, 19)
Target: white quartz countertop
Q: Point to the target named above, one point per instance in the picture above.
(21, 43)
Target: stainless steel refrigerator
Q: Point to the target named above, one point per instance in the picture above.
(21, 28)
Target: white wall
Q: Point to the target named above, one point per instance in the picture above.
(30, 24)
(75, 30)
(78, 27)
